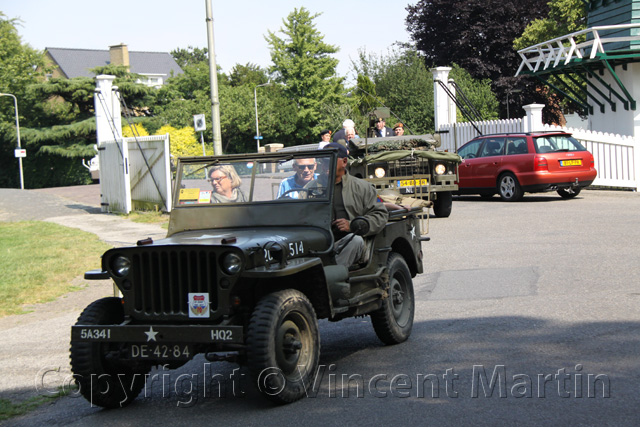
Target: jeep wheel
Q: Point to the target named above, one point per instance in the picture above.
(394, 320)
(442, 204)
(568, 192)
(509, 188)
(283, 345)
(100, 381)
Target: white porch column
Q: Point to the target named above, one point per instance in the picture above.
(533, 119)
(440, 98)
(107, 107)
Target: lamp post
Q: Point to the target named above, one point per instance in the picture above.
(15, 103)
(508, 93)
(255, 100)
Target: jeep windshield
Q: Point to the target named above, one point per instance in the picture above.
(252, 190)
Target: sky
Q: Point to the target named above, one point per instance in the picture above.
(239, 26)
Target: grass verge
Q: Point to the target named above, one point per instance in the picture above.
(9, 409)
(38, 261)
(149, 217)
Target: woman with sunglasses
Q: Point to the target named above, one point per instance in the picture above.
(226, 185)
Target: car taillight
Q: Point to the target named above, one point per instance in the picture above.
(540, 164)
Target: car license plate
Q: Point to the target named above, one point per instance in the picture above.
(571, 162)
(411, 182)
(160, 351)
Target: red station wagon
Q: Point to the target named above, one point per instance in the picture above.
(511, 164)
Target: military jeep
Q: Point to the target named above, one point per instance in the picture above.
(388, 161)
(242, 281)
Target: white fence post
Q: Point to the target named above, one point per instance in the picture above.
(440, 97)
(533, 119)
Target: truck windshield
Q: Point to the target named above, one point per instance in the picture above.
(286, 179)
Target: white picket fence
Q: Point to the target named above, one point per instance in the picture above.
(138, 175)
(616, 157)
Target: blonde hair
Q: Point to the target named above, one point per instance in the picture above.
(230, 172)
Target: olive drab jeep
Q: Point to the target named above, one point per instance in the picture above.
(395, 162)
(242, 279)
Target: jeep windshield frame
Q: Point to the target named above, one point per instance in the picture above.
(247, 191)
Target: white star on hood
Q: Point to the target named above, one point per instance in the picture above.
(151, 335)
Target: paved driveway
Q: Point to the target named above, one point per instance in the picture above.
(527, 314)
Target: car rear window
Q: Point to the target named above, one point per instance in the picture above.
(557, 143)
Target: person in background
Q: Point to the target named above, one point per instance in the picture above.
(325, 138)
(398, 129)
(353, 197)
(340, 134)
(381, 129)
(305, 173)
(349, 134)
(226, 182)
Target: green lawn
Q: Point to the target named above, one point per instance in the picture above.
(38, 261)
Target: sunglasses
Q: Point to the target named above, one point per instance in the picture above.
(310, 167)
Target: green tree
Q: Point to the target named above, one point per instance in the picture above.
(190, 56)
(565, 17)
(302, 63)
(20, 66)
(478, 92)
(477, 35)
(249, 74)
(403, 84)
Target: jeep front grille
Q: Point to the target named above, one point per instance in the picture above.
(408, 166)
(162, 280)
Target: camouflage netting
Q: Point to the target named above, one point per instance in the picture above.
(387, 156)
(391, 145)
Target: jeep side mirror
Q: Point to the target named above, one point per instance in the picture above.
(359, 226)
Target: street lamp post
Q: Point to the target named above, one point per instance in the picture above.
(15, 103)
(509, 93)
(255, 100)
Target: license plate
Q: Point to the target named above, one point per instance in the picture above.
(412, 182)
(160, 351)
(570, 162)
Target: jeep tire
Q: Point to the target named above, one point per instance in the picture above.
(100, 381)
(442, 204)
(394, 320)
(283, 345)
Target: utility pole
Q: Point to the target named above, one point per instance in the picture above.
(213, 75)
(19, 152)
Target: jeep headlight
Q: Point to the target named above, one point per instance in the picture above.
(231, 263)
(379, 172)
(440, 169)
(121, 266)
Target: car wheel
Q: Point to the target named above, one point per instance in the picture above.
(442, 205)
(102, 381)
(394, 320)
(283, 345)
(509, 188)
(568, 192)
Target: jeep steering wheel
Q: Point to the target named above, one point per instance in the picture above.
(294, 190)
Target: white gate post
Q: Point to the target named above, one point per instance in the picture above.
(533, 119)
(441, 110)
(107, 108)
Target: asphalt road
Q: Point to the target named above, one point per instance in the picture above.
(540, 296)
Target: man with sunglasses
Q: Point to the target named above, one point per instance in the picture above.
(305, 173)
